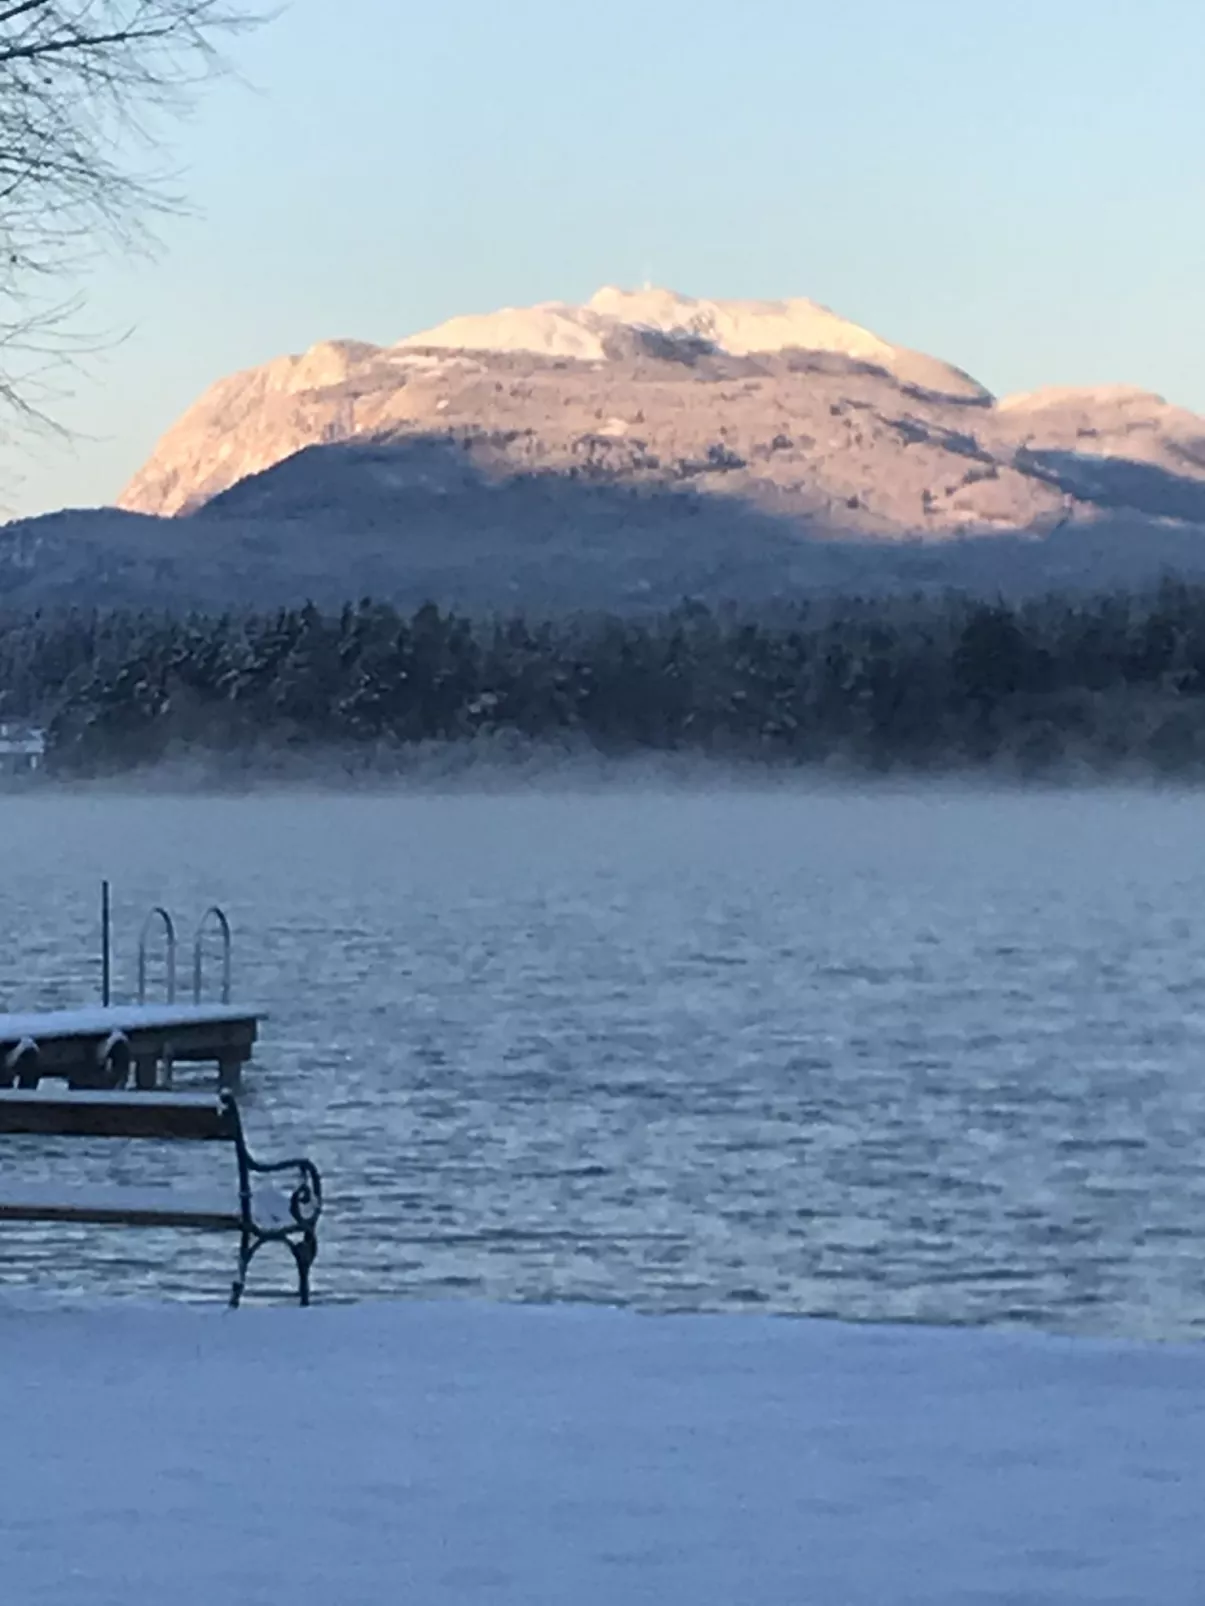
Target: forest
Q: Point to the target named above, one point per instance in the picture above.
(1112, 683)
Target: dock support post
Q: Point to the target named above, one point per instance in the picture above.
(106, 947)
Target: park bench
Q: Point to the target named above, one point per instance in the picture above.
(257, 1211)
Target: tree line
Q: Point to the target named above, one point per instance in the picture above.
(1109, 682)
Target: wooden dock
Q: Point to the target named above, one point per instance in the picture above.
(111, 1045)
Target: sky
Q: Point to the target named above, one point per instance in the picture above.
(1017, 188)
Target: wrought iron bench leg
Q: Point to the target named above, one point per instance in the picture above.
(304, 1251)
(246, 1253)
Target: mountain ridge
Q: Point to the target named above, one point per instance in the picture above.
(626, 452)
(847, 431)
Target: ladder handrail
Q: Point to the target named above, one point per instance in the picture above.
(213, 913)
(169, 931)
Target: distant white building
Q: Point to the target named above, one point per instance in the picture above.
(22, 748)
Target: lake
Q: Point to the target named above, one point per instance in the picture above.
(926, 1055)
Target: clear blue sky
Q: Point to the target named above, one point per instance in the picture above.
(1017, 188)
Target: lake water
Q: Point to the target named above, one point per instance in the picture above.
(914, 1055)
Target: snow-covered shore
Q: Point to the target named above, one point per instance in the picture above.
(439, 1453)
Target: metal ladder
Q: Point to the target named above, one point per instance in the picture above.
(161, 1075)
(215, 916)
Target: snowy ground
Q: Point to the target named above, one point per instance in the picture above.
(429, 1454)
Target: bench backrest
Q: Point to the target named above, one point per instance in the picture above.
(182, 1116)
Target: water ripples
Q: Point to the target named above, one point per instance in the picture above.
(918, 1056)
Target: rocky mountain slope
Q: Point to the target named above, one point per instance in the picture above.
(781, 404)
(629, 450)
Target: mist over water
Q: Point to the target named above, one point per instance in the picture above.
(914, 1054)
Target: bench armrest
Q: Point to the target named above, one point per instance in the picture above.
(305, 1200)
(303, 1204)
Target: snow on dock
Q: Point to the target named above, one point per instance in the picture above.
(99, 1019)
(67, 1040)
(453, 1453)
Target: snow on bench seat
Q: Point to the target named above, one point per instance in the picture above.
(139, 1207)
(99, 1098)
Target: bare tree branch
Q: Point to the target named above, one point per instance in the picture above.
(88, 91)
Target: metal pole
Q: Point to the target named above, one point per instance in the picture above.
(105, 946)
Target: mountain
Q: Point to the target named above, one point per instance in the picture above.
(625, 452)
